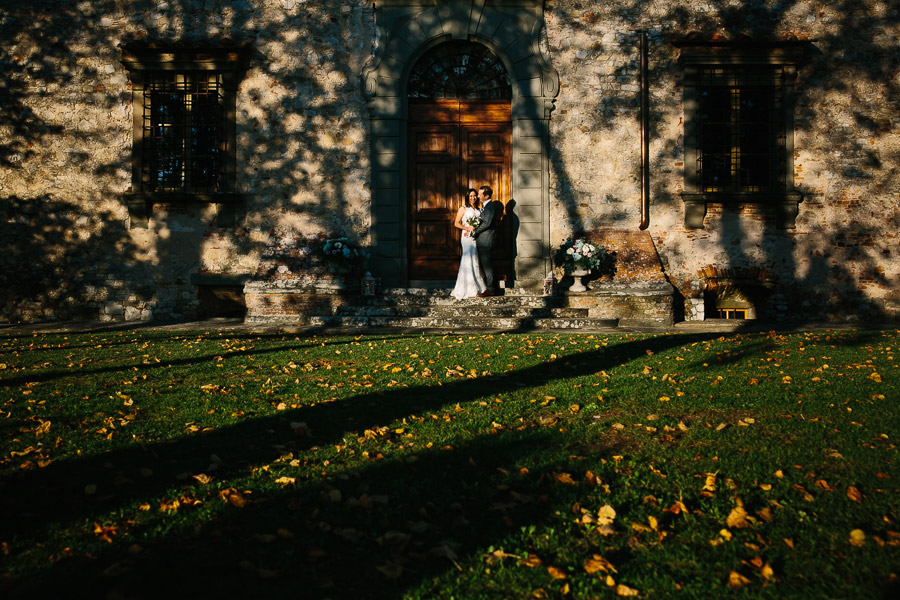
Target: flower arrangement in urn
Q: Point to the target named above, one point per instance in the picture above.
(342, 255)
(580, 255)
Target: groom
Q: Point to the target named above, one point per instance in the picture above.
(484, 238)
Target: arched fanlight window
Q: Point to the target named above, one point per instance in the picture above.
(459, 70)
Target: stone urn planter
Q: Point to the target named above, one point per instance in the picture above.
(577, 283)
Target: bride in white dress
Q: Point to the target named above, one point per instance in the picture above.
(469, 282)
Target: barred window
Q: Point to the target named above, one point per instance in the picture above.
(739, 126)
(184, 124)
(184, 137)
(741, 141)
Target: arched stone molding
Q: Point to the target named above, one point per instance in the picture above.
(511, 29)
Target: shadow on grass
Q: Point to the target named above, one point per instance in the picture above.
(418, 517)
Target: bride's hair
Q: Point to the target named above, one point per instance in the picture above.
(469, 193)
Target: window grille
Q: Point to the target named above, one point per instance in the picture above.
(741, 129)
(183, 132)
(459, 70)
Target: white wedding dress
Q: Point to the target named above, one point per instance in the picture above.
(469, 282)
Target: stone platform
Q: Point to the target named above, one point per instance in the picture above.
(607, 306)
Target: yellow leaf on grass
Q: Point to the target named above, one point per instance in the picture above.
(725, 535)
(556, 573)
(824, 485)
(233, 497)
(875, 377)
(857, 537)
(767, 572)
(710, 484)
(285, 480)
(854, 494)
(597, 563)
(736, 580)
(737, 518)
(625, 591)
(564, 478)
(532, 561)
(606, 514)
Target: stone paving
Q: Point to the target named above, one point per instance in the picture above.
(239, 325)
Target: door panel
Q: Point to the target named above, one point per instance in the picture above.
(454, 145)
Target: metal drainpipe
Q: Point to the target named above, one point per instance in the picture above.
(645, 136)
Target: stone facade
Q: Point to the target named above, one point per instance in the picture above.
(312, 156)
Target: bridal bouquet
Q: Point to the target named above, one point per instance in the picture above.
(474, 222)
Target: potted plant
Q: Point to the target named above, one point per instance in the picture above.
(342, 257)
(578, 258)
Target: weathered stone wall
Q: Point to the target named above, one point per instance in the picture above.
(66, 141)
(840, 260)
(68, 248)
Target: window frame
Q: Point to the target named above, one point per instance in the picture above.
(782, 196)
(143, 64)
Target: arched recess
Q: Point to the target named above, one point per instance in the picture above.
(511, 29)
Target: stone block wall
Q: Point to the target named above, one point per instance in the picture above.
(839, 262)
(70, 250)
(68, 246)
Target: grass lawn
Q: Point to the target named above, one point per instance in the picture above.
(157, 464)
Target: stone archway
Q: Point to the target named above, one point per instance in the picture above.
(512, 32)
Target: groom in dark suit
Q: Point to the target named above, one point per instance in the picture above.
(484, 237)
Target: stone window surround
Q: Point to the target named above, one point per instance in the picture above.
(231, 62)
(789, 55)
(511, 29)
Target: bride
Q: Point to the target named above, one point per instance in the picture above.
(469, 282)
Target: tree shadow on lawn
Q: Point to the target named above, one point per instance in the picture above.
(430, 500)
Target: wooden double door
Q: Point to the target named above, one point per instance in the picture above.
(455, 145)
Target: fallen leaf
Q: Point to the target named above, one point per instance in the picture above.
(736, 580)
(285, 480)
(598, 563)
(857, 537)
(556, 573)
(854, 494)
(737, 518)
(824, 485)
(606, 514)
(564, 478)
(233, 497)
(767, 572)
(532, 561)
(625, 591)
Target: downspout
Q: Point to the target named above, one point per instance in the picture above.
(645, 136)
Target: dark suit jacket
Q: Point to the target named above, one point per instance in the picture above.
(490, 220)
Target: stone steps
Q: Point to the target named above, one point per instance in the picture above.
(608, 306)
(460, 323)
(418, 308)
